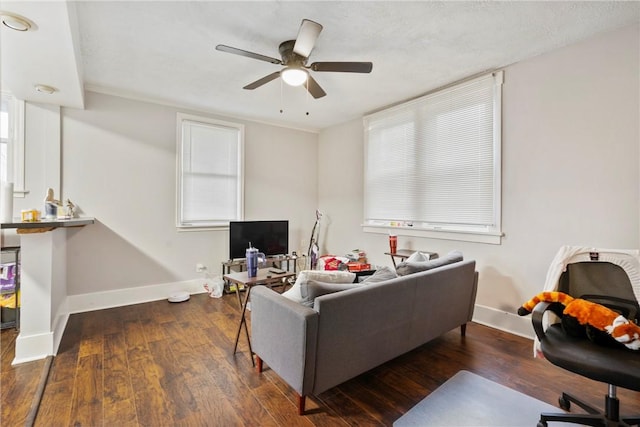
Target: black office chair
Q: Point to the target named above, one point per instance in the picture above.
(609, 285)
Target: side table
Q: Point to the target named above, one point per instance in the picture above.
(406, 253)
(264, 277)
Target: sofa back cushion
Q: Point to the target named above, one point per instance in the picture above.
(295, 294)
(381, 274)
(311, 289)
(408, 267)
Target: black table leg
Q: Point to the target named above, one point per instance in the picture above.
(243, 321)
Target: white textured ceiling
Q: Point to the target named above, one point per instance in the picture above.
(164, 51)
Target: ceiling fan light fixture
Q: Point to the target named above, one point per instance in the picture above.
(15, 22)
(294, 76)
(45, 89)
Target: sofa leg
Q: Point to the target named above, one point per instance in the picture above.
(258, 364)
(463, 330)
(301, 402)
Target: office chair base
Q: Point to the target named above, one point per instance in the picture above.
(593, 417)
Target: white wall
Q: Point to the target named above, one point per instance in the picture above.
(119, 166)
(42, 169)
(570, 172)
(570, 176)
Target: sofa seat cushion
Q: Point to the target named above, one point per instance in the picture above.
(311, 289)
(407, 267)
(294, 293)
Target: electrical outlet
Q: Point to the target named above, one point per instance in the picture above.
(200, 268)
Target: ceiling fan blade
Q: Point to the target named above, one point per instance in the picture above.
(264, 80)
(314, 88)
(236, 51)
(343, 67)
(307, 36)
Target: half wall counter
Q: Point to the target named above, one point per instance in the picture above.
(43, 285)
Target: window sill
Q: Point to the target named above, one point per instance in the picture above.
(189, 228)
(463, 236)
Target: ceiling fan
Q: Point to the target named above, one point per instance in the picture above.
(295, 54)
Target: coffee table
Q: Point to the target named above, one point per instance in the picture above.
(264, 277)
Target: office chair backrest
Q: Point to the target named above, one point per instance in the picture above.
(597, 278)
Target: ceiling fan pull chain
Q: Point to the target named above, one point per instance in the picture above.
(281, 98)
(308, 96)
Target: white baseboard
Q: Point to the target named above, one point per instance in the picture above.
(33, 347)
(503, 320)
(39, 346)
(120, 297)
(58, 329)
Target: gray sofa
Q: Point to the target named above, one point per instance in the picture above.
(350, 332)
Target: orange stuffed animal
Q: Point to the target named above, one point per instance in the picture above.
(589, 313)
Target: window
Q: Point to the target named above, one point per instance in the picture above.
(12, 142)
(432, 165)
(210, 172)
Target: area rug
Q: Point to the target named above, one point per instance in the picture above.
(467, 399)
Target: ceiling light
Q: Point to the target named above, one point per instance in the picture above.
(294, 76)
(45, 89)
(15, 22)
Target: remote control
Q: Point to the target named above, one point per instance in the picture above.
(277, 270)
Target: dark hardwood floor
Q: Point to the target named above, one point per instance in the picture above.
(158, 364)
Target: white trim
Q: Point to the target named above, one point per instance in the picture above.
(504, 321)
(463, 236)
(181, 119)
(121, 297)
(497, 148)
(490, 231)
(38, 346)
(58, 328)
(221, 227)
(33, 347)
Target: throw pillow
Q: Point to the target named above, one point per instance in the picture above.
(311, 289)
(405, 267)
(319, 275)
(380, 275)
(417, 257)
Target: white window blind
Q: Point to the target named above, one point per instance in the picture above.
(434, 162)
(210, 160)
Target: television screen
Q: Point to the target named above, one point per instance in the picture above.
(269, 237)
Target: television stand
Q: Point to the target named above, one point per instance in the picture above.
(279, 261)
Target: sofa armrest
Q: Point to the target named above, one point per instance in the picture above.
(284, 335)
(472, 302)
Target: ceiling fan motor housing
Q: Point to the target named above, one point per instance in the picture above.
(295, 54)
(289, 57)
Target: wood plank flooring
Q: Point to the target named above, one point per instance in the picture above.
(162, 364)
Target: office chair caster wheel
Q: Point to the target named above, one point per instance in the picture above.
(564, 403)
(541, 424)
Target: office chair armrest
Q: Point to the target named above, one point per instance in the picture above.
(627, 308)
(538, 313)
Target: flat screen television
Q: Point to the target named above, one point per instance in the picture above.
(270, 237)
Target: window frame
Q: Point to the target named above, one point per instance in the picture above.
(211, 223)
(490, 235)
(16, 144)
